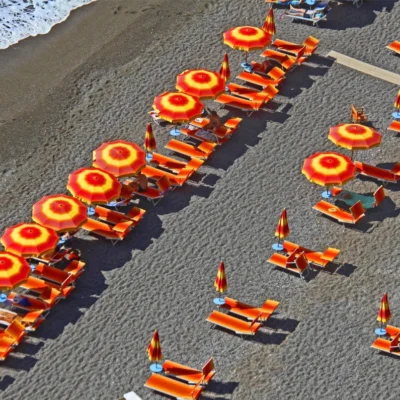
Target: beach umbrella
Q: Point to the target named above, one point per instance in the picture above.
(247, 38)
(93, 186)
(220, 283)
(269, 23)
(396, 114)
(149, 142)
(29, 239)
(225, 71)
(119, 158)
(59, 212)
(154, 353)
(328, 169)
(202, 83)
(177, 108)
(384, 315)
(282, 230)
(354, 137)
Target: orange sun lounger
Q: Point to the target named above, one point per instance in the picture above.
(176, 179)
(357, 115)
(388, 345)
(175, 165)
(310, 42)
(189, 374)
(258, 80)
(248, 106)
(49, 292)
(173, 388)
(250, 312)
(114, 217)
(395, 127)
(381, 174)
(153, 194)
(222, 133)
(379, 196)
(6, 347)
(202, 151)
(283, 59)
(250, 93)
(356, 212)
(57, 276)
(31, 320)
(114, 233)
(296, 263)
(75, 267)
(394, 46)
(15, 331)
(234, 324)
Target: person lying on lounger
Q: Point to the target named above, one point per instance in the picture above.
(215, 121)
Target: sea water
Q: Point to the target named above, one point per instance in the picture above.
(20, 19)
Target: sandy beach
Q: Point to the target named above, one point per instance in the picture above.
(94, 78)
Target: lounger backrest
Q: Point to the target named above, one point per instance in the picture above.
(163, 184)
(302, 262)
(379, 195)
(15, 330)
(208, 367)
(395, 342)
(255, 320)
(196, 391)
(271, 91)
(357, 210)
(301, 53)
(291, 258)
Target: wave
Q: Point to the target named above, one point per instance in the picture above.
(20, 19)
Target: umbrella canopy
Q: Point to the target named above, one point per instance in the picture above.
(14, 270)
(397, 101)
(282, 229)
(225, 72)
(247, 38)
(177, 107)
(29, 239)
(154, 348)
(354, 136)
(93, 186)
(59, 212)
(220, 281)
(328, 168)
(119, 158)
(269, 23)
(149, 140)
(201, 83)
(384, 314)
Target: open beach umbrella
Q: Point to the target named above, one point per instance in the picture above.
(93, 186)
(154, 353)
(202, 83)
(247, 38)
(59, 212)
(384, 315)
(282, 230)
(269, 23)
(149, 142)
(396, 114)
(225, 71)
(220, 283)
(29, 239)
(177, 108)
(119, 158)
(354, 137)
(328, 169)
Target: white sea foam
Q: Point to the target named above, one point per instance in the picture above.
(20, 19)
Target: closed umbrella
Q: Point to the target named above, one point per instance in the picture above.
(225, 71)
(396, 114)
(282, 230)
(149, 142)
(220, 283)
(154, 353)
(384, 315)
(269, 23)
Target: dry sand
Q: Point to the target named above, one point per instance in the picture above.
(92, 346)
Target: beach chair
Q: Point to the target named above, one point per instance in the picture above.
(75, 267)
(173, 388)
(283, 59)
(6, 346)
(250, 93)
(390, 346)
(31, 320)
(175, 165)
(54, 275)
(188, 374)
(296, 263)
(49, 292)
(257, 79)
(176, 179)
(357, 115)
(223, 132)
(247, 106)
(356, 213)
(114, 233)
(394, 46)
(54, 257)
(28, 303)
(250, 312)
(234, 324)
(367, 201)
(153, 194)
(395, 127)
(202, 151)
(378, 173)
(15, 331)
(293, 49)
(114, 217)
(316, 258)
(315, 16)
(311, 44)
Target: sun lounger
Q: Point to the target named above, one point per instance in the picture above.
(356, 212)
(49, 292)
(234, 324)
(293, 49)
(6, 347)
(55, 257)
(114, 217)
(249, 93)
(223, 132)
(296, 263)
(151, 193)
(75, 267)
(378, 173)
(202, 151)
(114, 233)
(28, 303)
(175, 165)
(57, 276)
(395, 127)
(247, 106)
(176, 179)
(188, 374)
(283, 59)
(174, 388)
(258, 80)
(31, 320)
(357, 115)
(388, 345)
(313, 257)
(250, 312)
(394, 46)
(367, 201)
(314, 16)
(193, 133)
(15, 331)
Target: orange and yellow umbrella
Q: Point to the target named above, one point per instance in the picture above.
(201, 83)
(269, 23)
(220, 281)
(177, 107)
(154, 352)
(119, 158)
(328, 168)
(149, 140)
(14, 270)
(29, 239)
(60, 212)
(282, 229)
(354, 136)
(384, 314)
(397, 101)
(224, 71)
(247, 38)
(93, 186)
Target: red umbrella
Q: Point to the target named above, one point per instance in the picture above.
(220, 283)
(269, 24)
(14, 270)
(282, 230)
(154, 353)
(225, 72)
(384, 314)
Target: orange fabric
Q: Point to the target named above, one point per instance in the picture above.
(282, 58)
(15, 331)
(335, 212)
(379, 196)
(240, 103)
(58, 276)
(75, 267)
(6, 346)
(397, 101)
(276, 73)
(269, 23)
(392, 331)
(395, 46)
(288, 47)
(247, 311)
(247, 92)
(311, 44)
(234, 324)
(377, 172)
(257, 79)
(394, 126)
(185, 148)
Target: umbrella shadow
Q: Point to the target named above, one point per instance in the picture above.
(5, 382)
